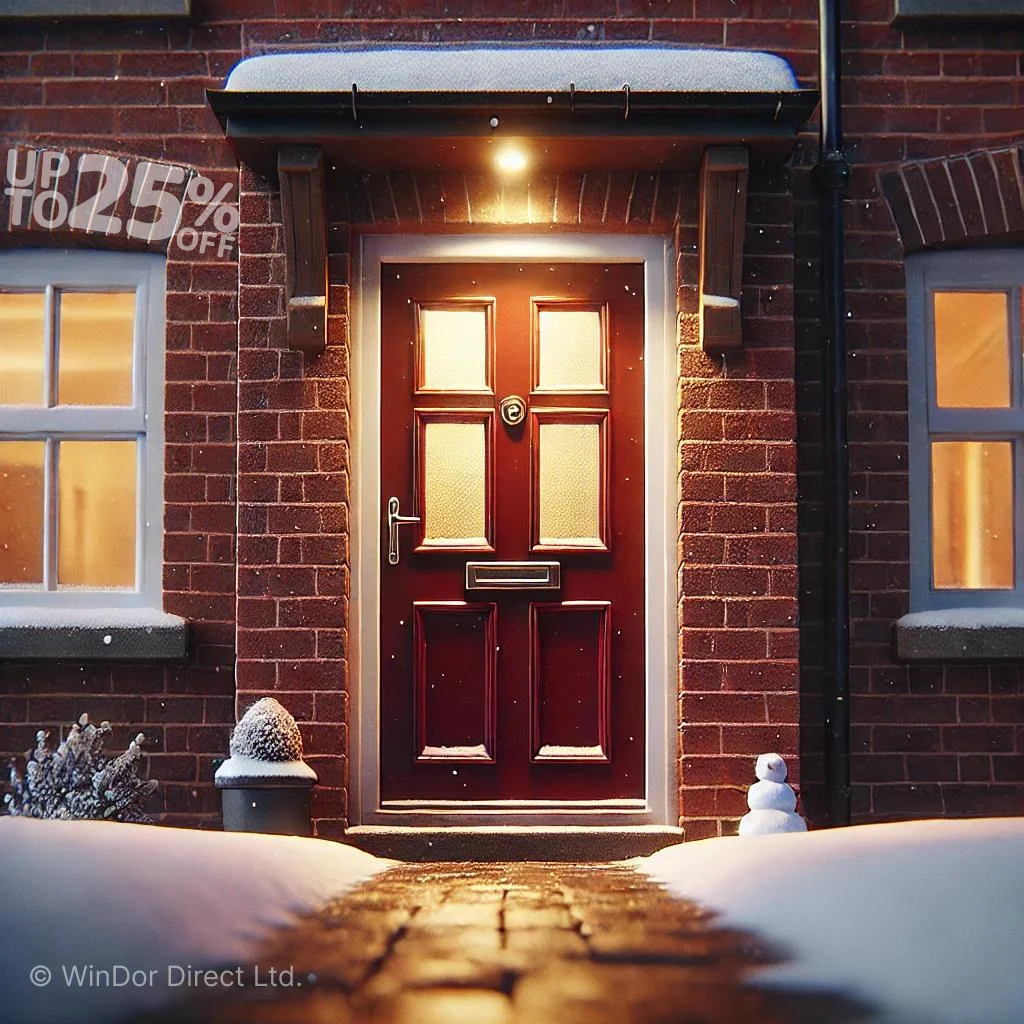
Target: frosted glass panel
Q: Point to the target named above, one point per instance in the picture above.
(21, 512)
(972, 351)
(95, 352)
(96, 495)
(22, 348)
(570, 350)
(454, 483)
(570, 484)
(454, 350)
(972, 515)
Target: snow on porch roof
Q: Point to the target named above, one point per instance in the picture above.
(514, 68)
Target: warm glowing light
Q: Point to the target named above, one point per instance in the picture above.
(511, 160)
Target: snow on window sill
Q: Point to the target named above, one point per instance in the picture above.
(977, 634)
(955, 10)
(91, 634)
(95, 8)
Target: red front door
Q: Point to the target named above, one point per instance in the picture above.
(512, 608)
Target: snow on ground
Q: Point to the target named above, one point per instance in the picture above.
(923, 919)
(75, 894)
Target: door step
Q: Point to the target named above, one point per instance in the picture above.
(577, 843)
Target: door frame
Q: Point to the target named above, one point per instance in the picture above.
(655, 253)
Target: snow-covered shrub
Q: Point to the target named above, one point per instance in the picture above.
(78, 781)
(267, 732)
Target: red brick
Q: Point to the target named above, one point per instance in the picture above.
(983, 800)
(910, 800)
(723, 707)
(978, 738)
(182, 710)
(275, 643)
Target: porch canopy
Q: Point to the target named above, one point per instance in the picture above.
(569, 107)
(449, 107)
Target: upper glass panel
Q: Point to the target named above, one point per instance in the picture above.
(972, 350)
(454, 484)
(454, 350)
(570, 350)
(22, 348)
(96, 348)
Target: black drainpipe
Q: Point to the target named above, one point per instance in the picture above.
(832, 174)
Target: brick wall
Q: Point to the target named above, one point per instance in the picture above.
(136, 91)
(924, 738)
(293, 508)
(927, 740)
(737, 575)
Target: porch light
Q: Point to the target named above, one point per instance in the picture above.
(511, 160)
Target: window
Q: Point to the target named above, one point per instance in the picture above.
(81, 429)
(966, 429)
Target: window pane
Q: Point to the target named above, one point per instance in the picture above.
(22, 347)
(454, 483)
(95, 360)
(569, 350)
(21, 512)
(96, 493)
(454, 350)
(570, 484)
(972, 360)
(972, 515)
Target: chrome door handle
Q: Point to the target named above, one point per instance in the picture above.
(394, 522)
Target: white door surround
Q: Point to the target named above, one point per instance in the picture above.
(659, 808)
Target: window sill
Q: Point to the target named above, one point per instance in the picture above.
(977, 634)
(91, 634)
(955, 10)
(95, 8)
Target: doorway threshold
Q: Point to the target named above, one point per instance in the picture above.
(576, 843)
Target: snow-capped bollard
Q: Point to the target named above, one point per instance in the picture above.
(265, 785)
(771, 800)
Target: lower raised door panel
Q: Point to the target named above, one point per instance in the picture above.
(454, 672)
(570, 681)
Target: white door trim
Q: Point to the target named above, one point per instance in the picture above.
(655, 253)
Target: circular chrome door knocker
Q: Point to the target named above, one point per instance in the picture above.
(513, 410)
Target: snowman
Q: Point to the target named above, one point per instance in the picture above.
(771, 800)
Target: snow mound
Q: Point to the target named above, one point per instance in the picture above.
(922, 919)
(147, 898)
(267, 732)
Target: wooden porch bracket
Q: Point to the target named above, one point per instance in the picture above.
(723, 222)
(300, 170)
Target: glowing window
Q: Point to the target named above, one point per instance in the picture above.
(81, 428)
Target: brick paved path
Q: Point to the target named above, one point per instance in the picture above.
(521, 943)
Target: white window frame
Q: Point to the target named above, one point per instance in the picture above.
(143, 421)
(991, 270)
